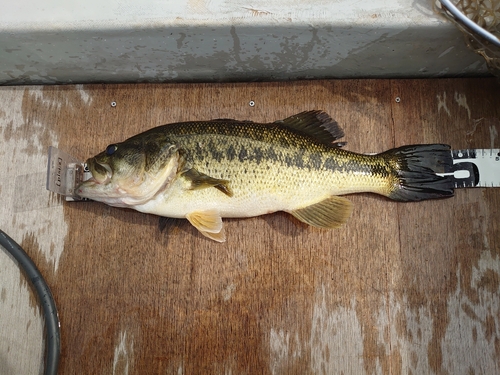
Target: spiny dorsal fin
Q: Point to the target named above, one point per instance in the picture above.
(316, 124)
(231, 120)
(329, 213)
(202, 181)
(209, 223)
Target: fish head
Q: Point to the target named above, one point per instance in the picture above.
(131, 173)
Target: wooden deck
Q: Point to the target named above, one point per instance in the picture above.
(402, 288)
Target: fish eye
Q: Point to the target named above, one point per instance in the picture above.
(110, 150)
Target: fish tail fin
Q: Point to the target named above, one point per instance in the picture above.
(415, 169)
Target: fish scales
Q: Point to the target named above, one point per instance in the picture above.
(251, 155)
(207, 170)
(264, 142)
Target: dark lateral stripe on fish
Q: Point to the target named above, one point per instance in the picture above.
(239, 152)
(316, 159)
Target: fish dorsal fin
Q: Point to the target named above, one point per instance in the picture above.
(209, 223)
(316, 124)
(201, 181)
(329, 213)
(231, 120)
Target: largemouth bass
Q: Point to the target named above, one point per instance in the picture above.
(204, 171)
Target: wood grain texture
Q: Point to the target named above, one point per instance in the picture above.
(402, 288)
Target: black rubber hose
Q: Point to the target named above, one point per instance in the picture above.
(49, 307)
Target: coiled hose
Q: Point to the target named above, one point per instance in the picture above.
(52, 325)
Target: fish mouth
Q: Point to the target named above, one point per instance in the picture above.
(101, 176)
(101, 172)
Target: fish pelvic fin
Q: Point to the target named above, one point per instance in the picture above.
(329, 213)
(315, 124)
(414, 172)
(209, 223)
(202, 181)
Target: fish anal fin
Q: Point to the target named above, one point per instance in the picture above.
(202, 181)
(209, 223)
(316, 124)
(331, 212)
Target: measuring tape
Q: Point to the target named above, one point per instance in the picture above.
(474, 168)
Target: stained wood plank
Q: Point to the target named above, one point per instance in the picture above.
(449, 249)
(401, 288)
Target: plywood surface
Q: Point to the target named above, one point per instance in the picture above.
(402, 288)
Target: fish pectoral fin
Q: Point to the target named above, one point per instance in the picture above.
(329, 213)
(202, 181)
(209, 223)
